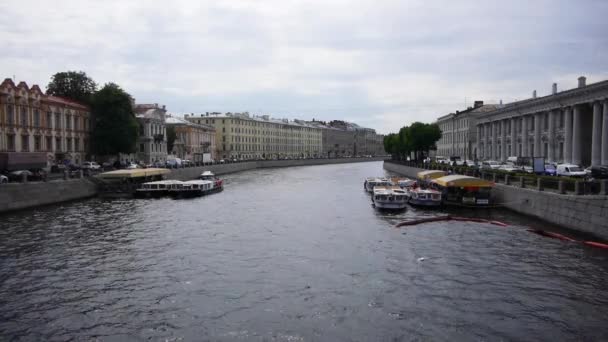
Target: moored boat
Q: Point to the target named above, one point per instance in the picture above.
(424, 197)
(155, 189)
(389, 197)
(372, 182)
(425, 177)
(464, 190)
(218, 184)
(193, 188)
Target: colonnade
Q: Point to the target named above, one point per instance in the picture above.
(558, 134)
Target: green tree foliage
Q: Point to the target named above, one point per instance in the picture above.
(418, 138)
(115, 128)
(170, 138)
(75, 85)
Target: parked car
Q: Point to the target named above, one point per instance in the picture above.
(3, 179)
(599, 172)
(17, 176)
(490, 165)
(133, 166)
(570, 170)
(91, 166)
(509, 168)
(550, 170)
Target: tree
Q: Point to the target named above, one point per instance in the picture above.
(115, 128)
(418, 137)
(170, 138)
(75, 85)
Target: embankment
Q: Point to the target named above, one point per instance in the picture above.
(585, 213)
(15, 196)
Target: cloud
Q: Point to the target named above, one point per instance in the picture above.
(380, 64)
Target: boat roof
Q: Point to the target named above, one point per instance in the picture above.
(388, 189)
(134, 173)
(170, 181)
(198, 181)
(426, 191)
(462, 181)
(430, 174)
(207, 173)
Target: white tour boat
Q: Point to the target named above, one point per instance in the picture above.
(424, 197)
(389, 197)
(155, 189)
(218, 184)
(371, 182)
(192, 188)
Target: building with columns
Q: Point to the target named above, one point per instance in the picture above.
(33, 123)
(458, 138)
(565, 127)
(151, 140)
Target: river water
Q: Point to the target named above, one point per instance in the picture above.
(291, 254)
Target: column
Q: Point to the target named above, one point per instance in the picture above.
(503, 140)
(537, 149)
(524, 136)
(596, 137)
(478, 153)
(568, 135)
(605, 134)
(513, 138)
(494, 140)
(577, 135)
(551, 140)
(486, 154)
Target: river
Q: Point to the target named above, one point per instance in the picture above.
(290, 254)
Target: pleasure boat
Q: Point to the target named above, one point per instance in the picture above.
(155, 189)
(424, 197)
(193, 188)
(218, 184)
(371, 182)
(406, 183)
(389, 197)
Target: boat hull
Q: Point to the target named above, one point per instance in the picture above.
(424, 202)
(390, 205)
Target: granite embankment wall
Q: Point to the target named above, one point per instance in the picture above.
(221, 169)
(585, 213)
(15, 196)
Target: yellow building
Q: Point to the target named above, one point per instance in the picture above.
(239, 135)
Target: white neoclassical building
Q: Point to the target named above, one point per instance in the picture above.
(569, 126)
(152, 138)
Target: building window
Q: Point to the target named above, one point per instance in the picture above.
(561, 151)
(49, 120)
(23, 117)
(58, 147)
(36, 118)
(37, 141)
(561, 119)
(85, 145)
(10, 142)
(141, 148)
(76, 144)
(25, 143)
(68, 123)
(57, 121)
(49, 143)
(76, 127)
(545, 149)
(69, 143)
(546, 121)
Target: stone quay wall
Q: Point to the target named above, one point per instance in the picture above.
(585, 213)
(221, 169)
(15, 196)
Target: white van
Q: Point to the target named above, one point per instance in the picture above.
(570, 170)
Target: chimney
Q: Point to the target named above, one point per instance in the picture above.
(554, 89)
(477, 104)
(534, 94)
(582, 81)
(500, 104)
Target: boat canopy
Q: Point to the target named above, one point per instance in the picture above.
(134, 173)
(461, 181)
(430, 174)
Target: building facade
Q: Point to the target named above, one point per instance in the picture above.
(569, 126)
(342, 139)
(151, 140)
(33, 122)
(192, 140)
(239, 135)
(458, 132)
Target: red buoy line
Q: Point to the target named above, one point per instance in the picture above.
(540, 232)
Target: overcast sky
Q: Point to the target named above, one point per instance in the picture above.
(382, 64)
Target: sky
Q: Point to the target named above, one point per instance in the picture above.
(382, 64)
